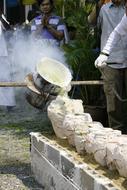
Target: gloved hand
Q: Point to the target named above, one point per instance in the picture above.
(100, 62)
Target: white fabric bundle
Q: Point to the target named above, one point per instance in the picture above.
(120, 156)
(74, 122)
(57, 111)
(96, 143)
(110, 150)
(80, 135)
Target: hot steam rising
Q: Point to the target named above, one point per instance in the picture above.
(26, 52)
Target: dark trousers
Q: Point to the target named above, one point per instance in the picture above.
(115, 88)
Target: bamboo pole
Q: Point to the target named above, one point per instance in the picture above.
(24, 84)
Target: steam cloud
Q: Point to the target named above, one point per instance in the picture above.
(26, 52)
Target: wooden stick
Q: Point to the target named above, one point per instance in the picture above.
(13, 84)
(87, 82)
(24, 84)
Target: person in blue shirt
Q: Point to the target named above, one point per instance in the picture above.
(51, 29)
(48, 25)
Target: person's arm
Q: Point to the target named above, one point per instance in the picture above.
(92, 18)
(5, 23)
(121, 29)
(103, 57)
(63, 28)
(58, 34)
(113, 40)
(36, 27)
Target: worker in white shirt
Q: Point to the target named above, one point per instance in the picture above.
(109, 16)
(115, 75)
(7, 97)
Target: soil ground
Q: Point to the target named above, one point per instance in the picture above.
(15, 127)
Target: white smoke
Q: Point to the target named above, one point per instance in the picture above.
(26, 52)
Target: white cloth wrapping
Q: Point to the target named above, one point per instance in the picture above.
(6, 93)
(58, 109)
(75, 122)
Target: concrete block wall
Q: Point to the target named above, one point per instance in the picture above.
(55, 169)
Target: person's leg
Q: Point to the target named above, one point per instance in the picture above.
(125, 102)
(7, 94)
(10, 108)
(113, 87)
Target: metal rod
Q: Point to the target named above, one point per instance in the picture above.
(24, 84)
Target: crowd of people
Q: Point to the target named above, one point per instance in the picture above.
(46, 26)
(111, 20)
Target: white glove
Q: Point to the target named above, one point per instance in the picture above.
(101, 61)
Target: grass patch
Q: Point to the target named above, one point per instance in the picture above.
(23, 128)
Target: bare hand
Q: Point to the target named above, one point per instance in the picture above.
(45, 21)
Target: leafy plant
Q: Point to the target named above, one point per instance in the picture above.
(80, 52)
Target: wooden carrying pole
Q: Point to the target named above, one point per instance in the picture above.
(87, 82)
(13, 84)
(24, 84)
